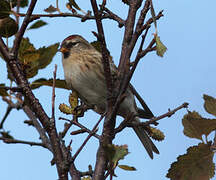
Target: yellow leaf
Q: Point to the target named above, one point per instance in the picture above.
(65, 109)
(127, 168)
(160, 47)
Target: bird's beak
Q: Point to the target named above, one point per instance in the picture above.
(64, 50)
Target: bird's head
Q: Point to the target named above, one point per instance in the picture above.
(74, 44)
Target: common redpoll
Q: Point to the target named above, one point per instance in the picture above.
(84, 74)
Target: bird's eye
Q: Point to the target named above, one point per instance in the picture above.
(71, 44)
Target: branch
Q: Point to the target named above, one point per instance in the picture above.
(38, 127)
(127, 123)
(21, 32)
(75, 122)
(168, 114)
(115, 17)
(34, 104)
(16, 141)
(93, 131)
(53, 93)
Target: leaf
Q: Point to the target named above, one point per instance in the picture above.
(4, 9)
(125, 2)
(37, 24)
(6, 134)
(196, 164)
(8, 27)
(195, 125)
(156, 134)
(210, 104)
(73, 100)
(86, 178)
(65, 109)
(115, 153)
(74, 4)
(3, 92)
(160, 47)
(127, 168)
(33, 59)
(50, 9)
(47, 54)
(48, 82)
(23, 3)
(96, 45)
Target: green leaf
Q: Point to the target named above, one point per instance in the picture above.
(127, 168)
(50, 9)
(37, 24)
(74, 4)
(197, 164)
(3, 92)
(160, 47)
(47, 54)
(33, 59)
(4, 9)
(115, 153)
(96, 45)
(44, 82)
(210, 104)
(8, 27)
(195, 125)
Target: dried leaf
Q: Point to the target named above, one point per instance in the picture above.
(8, 27)
(195, 125)
(210, 104)
(50, 9)
(38, 24)
(195, 165)
(160, 47)
(127, 168)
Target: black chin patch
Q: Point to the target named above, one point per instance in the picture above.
(66, 54)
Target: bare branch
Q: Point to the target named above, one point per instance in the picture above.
(168, 114)
(53, 93)
(16, 141)
(94, 130)
(21, 32)
(115, 17)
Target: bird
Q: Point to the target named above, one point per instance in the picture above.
(84, 73)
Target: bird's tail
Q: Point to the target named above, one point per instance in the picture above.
(146, 141)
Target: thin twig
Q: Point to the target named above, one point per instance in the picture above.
(115, 17)
(75, 122)
(16, 141)
(53, 92)
(94, 130)
(14, 89)
(155, 119)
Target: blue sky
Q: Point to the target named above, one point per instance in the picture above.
(186, 72)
